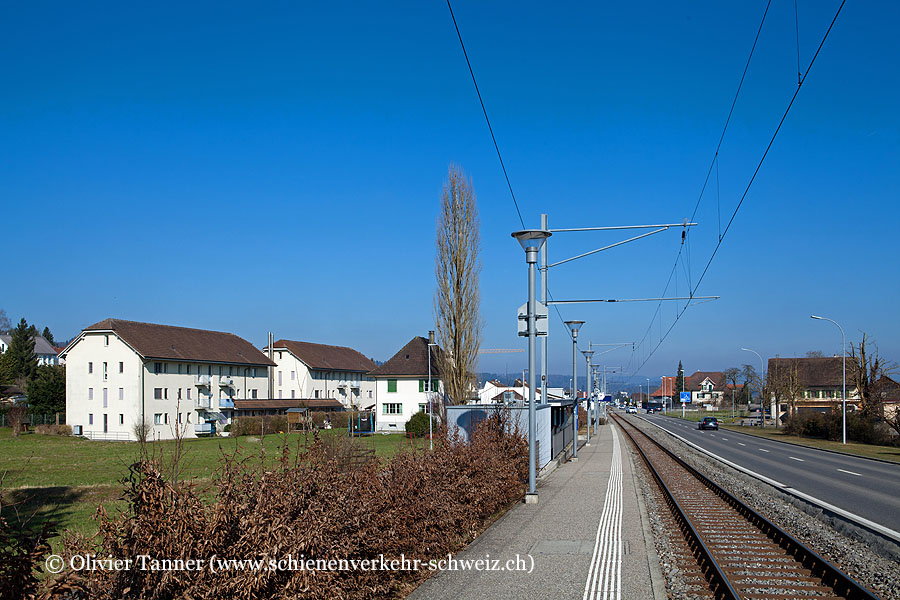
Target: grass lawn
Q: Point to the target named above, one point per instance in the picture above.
(69, 477)
(865, 450)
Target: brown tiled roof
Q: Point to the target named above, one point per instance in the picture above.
(181, 343)
(412, 359)
(311, 403)
(825, 372)
(327, 358)
(693, 381)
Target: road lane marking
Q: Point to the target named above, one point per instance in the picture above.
(725, 438)
(795, 458)
(741, 444)
(763, 450)
(850, 472)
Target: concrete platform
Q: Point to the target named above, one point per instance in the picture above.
(587, 534)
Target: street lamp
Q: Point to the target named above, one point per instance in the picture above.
(844, 388)
(590, 391)
(762, 407)
(648, 392)
(531, 240)
(574, 326)
(430, 401)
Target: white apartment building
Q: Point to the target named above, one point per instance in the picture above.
(401, 384)
(123, 373)
(43, 350)
(305, 370)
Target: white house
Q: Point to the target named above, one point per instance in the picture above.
(123, 373)
(319, 371)
(401, 384)
(44, 351)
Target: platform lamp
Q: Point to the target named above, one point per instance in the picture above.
(590, 391)
(574, 326)
(532, 240)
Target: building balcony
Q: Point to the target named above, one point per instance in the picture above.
(202, 403)
(201, 428)
(226, 382)
(201, 380)
(226, 403)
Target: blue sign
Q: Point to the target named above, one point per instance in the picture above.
(686, 397)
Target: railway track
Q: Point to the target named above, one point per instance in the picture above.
(728, 549)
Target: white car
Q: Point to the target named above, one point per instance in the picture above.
(631, 410)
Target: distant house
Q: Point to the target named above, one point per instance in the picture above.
(820, 381)
(705, 387)
(402, 384)
(44, 351)
(320, 371)
(120, 374)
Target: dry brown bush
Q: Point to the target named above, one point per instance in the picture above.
(262, 425)
(318, 503)
(53, 429)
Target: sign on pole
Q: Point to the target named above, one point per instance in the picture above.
(540, 318)
(686, 397)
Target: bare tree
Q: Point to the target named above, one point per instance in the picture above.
(456, 298)
(785, 383)
(814, 354)
(731, 376)
(864, 369)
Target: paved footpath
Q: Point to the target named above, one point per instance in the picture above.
(586, 538)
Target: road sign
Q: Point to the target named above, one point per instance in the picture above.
(540, 318)
(686, 397)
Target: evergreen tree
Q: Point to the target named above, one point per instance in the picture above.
(47, 391)
(679, 379)
(48, 336)
(20, 361)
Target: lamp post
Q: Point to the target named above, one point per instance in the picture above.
(762, 371)
(648, 392)
(574, 326)
(844, 369)
(590, 391)
(430, 400)
(531, 240)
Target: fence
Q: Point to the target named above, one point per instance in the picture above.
(32, 420)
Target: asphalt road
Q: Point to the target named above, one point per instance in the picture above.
(868, 488)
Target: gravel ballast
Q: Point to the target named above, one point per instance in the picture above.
(870, 564)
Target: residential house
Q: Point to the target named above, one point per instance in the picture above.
(120, 374)
(44, 351)
(820, 381)
(320, 371)
(402, 384)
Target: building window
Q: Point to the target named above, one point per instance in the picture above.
(280, 395)
(121, 367)
(157, 394)
(253, 394)
(90, 368)
(105, 396)
(121, 419)
(157, 368)
(166, 418)
(104, 372)
(179, 393)
(316, 394)
(121, 393)
(189, 393)
(187, 369)
(292, 393)
(293, 373)
(393, 408)
(157, 419)
(370, 393)
(421, 407)
(253, 372)
(91, 419)
(392, 386)
(106, 340)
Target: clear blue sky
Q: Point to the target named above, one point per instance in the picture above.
(277, 167)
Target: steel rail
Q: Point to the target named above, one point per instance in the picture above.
(843, 584)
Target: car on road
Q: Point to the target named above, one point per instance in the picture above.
(708, 423)
(631, 410)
